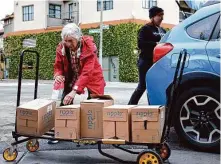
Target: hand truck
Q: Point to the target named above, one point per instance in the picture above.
(155, 152)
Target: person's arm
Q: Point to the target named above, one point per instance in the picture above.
(58, 65)
(84, 77)
(144, 38)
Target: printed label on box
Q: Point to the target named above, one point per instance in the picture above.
(90, 118)
(144, 114)
(115, 114)
(26, 113)
(47, 117)
(66, 112)
(49, 108)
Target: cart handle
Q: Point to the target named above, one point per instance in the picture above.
(20, 74)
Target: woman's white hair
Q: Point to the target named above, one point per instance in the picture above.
(71, 30)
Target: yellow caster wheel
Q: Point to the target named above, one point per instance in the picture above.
(149, 157)
(32, 145)
(164, 151)
(9, 155)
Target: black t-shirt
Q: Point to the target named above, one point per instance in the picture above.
(147, 38)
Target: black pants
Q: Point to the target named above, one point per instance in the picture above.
(143, 67)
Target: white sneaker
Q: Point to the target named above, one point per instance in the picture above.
(53, 141)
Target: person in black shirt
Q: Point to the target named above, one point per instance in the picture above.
(148, 37)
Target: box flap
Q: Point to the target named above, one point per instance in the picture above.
(95, 101)
(115, 114)
(146, 136)
(36, 104)
(120, 107)
(73, 123)
(66, 133)
(69, 107)
(101, 97)
(145, 114)
(32, 124)
(148, 107)
(21, 122)
(60, 123)
(27, 130)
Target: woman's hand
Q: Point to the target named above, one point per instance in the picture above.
(69, 98)
(59, 79)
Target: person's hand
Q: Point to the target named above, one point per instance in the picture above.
(59, 79)
(69, 98)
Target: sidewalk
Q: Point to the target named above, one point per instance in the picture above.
(92, 156)
(45, 82)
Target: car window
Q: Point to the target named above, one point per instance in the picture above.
(203, 29)
(216, 33)
(166, 36)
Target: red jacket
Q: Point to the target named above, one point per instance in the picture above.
(90, 74)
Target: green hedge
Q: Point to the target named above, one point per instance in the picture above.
(46, 46)
(119, 40)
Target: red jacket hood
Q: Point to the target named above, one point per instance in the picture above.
(88, 46)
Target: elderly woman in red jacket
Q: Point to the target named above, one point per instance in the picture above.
(77, 65)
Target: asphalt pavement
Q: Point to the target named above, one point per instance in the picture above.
(66, 152)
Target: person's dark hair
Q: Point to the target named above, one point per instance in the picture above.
(154, 11)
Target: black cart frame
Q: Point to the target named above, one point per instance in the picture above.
(171, 98)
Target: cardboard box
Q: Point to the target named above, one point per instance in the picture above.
(147, 124)
(67, 122)
(92, 116)
(117, 121)
(35, 117)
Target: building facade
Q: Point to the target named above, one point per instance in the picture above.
(49, 14)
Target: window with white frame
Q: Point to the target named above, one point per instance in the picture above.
(70, 10)
(147, 4)
(55, 11)
(28, 13)
(107, 5)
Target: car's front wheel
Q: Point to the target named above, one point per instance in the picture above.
(197, 118)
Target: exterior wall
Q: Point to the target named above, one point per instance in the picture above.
(86, 12)
(131, 9)
(121, 10)
(39, 15)
(171, 11)
(9, 27)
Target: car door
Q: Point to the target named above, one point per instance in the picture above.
(213, 48)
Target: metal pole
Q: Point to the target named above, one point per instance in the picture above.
(101, 33)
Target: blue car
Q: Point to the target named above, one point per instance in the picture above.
(197, 108)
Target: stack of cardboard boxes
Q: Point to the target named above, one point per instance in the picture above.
(35, 117)
(96, 118)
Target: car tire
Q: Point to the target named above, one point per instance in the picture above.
(202, 97)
